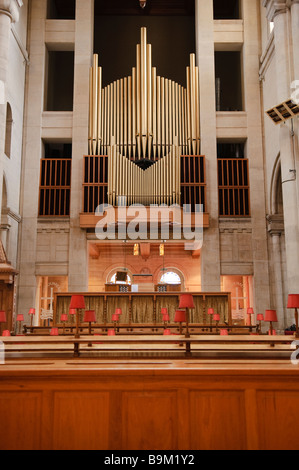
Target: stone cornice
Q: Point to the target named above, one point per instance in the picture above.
(11, 9)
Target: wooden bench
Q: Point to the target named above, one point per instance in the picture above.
(205, 343)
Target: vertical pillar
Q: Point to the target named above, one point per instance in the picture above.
(9, 13)
(210, 254)
(295, 43)
(279, 14)
(278, 282)
(254, 149)
(78, 255)
(32, 152)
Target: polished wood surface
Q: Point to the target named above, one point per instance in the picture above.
(141, 404)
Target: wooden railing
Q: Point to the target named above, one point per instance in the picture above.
(95, 186)
(55, 187)
(193, 181)
(234, 189)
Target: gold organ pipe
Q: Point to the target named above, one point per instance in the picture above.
(149, 101)
(90, 111)
(144, 91)
(99, 106)
(95, 103)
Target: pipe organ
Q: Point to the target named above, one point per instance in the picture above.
(144, 123)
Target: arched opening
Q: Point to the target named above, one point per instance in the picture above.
(8, 131)
(120, 277)
(172, 277)
(276, 190)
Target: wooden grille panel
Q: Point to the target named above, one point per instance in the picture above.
(193, 181)
(95, 186)
(234, 189)
(55, 187)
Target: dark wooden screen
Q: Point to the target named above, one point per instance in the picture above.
(95, 185)
(193, 181)
(55, 187)
(234, 191)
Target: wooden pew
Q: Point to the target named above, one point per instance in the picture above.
(233, 343)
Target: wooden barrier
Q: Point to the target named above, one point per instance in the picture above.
(166, 406)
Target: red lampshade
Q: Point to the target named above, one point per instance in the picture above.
(293, 301)
(111, 333)
(2, 317)
(180, 316)
(72, 311)
(6, 333)
(115, 317)
(54, 332)
(216, 317)
(32, 311)
(186, 301)
(250, 311)
(90, 316)
(271, 316)
(64, 317)
(164, 311)
(166, 317)
(20, 317)
(223, 333)
(260, 317)
(167, 333)
(118, 311)
(77, 302)
(211, 311)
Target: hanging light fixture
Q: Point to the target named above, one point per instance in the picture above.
(142, 3)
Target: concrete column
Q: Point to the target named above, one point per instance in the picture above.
(295, 44)
(288, 155)
(210, 253)
(278, 281)
(9, 13)
(78, 254)
(295, 36)
(31, 156)
(254, 149)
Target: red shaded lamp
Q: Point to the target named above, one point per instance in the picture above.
(165, 316)
(211, 313)
(54, 332)
(293, 302)
(2, 318)
(6, 333)
(250, 312)
(20, 319)
(31, 314)
(118, 311)
(187, 302)
(216, 318)
(90, 317)
(180, 317)
(166, 332)
(64, 318)
(271, 316)
(223, 333)
(111, 332)
(78, 304)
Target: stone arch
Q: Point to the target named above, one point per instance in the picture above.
(276, 195)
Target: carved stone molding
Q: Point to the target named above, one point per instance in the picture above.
(11, 8)
(275, 224)
(276, 7)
